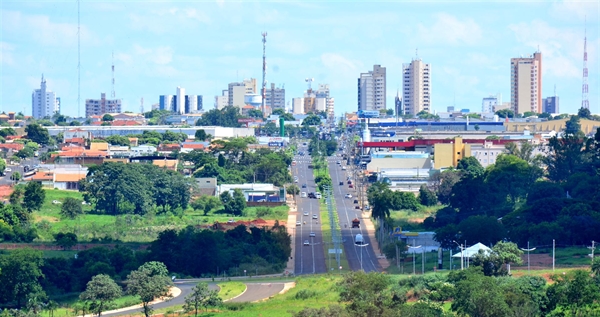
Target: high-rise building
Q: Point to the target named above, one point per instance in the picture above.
(416, 92)
(98, 107)
(237, 91)
(275, 98)
(489, 103)
(223, 100)
(526, 83)
(44, 102)
(372, 89)
(309, 101)
(165, 102)
(298, 105)
(551, 105)
(180, 103)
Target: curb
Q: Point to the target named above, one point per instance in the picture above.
(245, 289)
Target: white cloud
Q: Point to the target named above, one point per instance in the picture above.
(6, 55)
(161, 55)
(338, 62)
(447, 29)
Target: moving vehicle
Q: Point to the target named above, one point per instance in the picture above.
(314, 216)
(312, 234)
(343, 168)
(303, 185)
(318, 195)
(306, 242)
(350, 186)
(348, 196)
(349, 182)
(311, 195)
(306, 213)
(356, 201)
(355, 223)
(341, 183)
(298, 223)
(359, 240)
(303, 194)
(7, 169)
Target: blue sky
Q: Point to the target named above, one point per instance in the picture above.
(202, 46)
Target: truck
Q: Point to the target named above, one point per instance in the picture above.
(359, 239)
(355, 223)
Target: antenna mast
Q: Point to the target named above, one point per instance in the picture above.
(78, 64)
(142, 106)
(264, 73)
(584, 89)
(112, 93)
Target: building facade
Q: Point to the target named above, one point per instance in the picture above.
(298, 105)
(416, 87)
(98, 107)
(275, 98)
(44, 102)
(237, 91)
(180, 103)
(489, 104)
(551, 105)
(526, 84)
(372, 89)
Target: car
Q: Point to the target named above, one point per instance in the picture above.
(350, 186)
(303, 195)
(356, 201)
(306, 213)
(311, 195)
(230, 221)
(339, 162)
(295, 181)
(303, 185)
(298, 223)
(343, 168)
(306, 242)
(349, 182)
(7, 169)
(348, 196)
(357, 207)
(312, 234)
(314, 216)
(341, 183)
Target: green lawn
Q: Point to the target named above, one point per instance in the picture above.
(230, 290)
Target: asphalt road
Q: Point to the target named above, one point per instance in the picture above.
(258, 291)
(186, 289)
(308, 259)
(346, 212)
(5, 180)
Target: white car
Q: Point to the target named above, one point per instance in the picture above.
(303, 195)
(312, 234)
(348, 196)
(343, 168)
(314, 216)
(7, 169)
(306, 214)
(298, 223)
(306, 242)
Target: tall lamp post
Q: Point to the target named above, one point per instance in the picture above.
(528, 262)
(361, 260)
(462, 262)
(414, 263)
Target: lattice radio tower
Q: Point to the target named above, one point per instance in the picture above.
(264, 73)
(584, 89)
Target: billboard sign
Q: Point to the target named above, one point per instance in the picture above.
(276, 144)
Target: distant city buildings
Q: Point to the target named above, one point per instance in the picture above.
(44, 102)
(298, 105)
(489, 103)
(98, 107)
(315, 101)
(416, 92)
(275, 98)
(180, 103)
(551, 105)
(237, 91)
(223, 100)
(526, 84)
(372, 89)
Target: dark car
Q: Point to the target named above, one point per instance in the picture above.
(356, 201)
(303, 185)
(341, 183)
(350, 186)
(311, 195)
(349, 182)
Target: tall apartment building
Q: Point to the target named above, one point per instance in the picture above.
(551, 105)
(416, 92)
(44, 102)
(98, 107)
(237, 91)
(180, 103)
(275, 98)
(372, 89)
(298, 105)
(310, 101)
(488, 104)
(526, 83)
(223, 100)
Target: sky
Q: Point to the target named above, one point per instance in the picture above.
(204, 45)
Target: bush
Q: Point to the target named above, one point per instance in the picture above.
(305, 294)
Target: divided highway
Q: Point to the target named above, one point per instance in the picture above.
(308, 259)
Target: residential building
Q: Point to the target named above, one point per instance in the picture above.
(165, 102)
(551, 105)
(222, 101)
(448, 154)
(372, 89)
(237, 91)
(488, 104)
(275, 97)
(181, 103)
(416, 91)
(99, 107)
(298, 105)
(309, 101)
(331, 109)
(44, 102)
(526, 83)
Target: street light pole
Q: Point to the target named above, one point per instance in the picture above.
(462, 262)
(528, 262)
(414, 262)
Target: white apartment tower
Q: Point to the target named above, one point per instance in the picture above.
(44, 102)
(526, 84)
(372, 89)
(416, 92)
(180, 101)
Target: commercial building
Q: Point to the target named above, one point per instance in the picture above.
(275, 98)
(44, 102)
(98, 107)
(372, 89)
(526, 83)
(106, 131)
(448, 154)
(551, 105)
(180, 102)
(416, 87)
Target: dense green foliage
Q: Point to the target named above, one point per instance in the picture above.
(203, 252)
(201, 297)
(226, 117)
(149, 281)
(100, 291)
(37, 133)
(117, 188)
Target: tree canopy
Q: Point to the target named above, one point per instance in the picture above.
(226, 117)
(37, 133)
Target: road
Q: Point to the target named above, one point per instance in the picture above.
(308, 259)
(186, 288)
(346, 212)
(258, 291)
(5, 180)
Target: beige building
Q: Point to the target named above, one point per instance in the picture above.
(587, 126)
(526, 83)
(98, 107)
(237, 91)
(298, 105)
(416, 87)
(448, 154)
(372, 89)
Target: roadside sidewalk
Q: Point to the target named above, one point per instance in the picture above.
(370, 227)
(291, 228)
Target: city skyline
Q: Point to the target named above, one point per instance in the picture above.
(204, 46)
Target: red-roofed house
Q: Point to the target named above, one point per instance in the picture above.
(6, 147)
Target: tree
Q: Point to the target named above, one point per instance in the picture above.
(206, 203)
(584, 113)
(71, 208)
(503, 253)
(505, 113)
(235, 204)
(311, 119)
(65, 240)
(426, 196)
(255, 113)
(478, 295)
(20, 275)
(443, 183)
(573, 127)
(471, 166)
(226, 117)
(200, 135)
(2, 166)
(292, 189)
(149, 281)
(118, 140)
(366, 294)
(37, 133)
(107, 118)
(15, 176)
(201, 296)
(34, 196)
(101, 290)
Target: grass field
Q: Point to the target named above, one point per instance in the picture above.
(230, 290)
